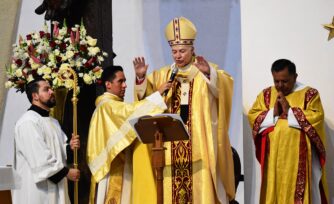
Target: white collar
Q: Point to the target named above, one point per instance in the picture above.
(298, 86)
(183, 69)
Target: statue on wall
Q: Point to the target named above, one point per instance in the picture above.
(54, 9)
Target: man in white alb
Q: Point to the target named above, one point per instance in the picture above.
(40, 151)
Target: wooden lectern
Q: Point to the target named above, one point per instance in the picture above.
(156, 130)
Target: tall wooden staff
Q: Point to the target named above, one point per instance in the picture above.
(70, 72)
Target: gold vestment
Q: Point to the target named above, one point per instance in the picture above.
(195, 169)
(109, 135)
(284, 152)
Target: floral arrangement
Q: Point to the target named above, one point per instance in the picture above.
(43, 55)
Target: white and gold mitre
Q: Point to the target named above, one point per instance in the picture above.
(180, 31)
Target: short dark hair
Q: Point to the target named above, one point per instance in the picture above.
(281, 64)
(32, 87)
(109, 74)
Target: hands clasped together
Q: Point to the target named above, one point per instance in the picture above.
(282, 106)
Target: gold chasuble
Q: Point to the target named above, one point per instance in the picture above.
(199, 170)
(110, 142)
(291, 156)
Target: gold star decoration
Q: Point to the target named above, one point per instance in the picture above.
(330, 27)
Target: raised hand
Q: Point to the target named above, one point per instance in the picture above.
(202, 65)
(140, 67)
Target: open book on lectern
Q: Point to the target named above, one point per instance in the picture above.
(170, 125)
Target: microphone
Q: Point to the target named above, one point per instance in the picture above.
(171, 78)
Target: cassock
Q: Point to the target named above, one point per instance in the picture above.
(112, 147)
(290, 149)
(199, 170)
(40, 159)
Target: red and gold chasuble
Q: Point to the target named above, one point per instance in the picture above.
(284, 152)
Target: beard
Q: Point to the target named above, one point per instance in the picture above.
(50, 103)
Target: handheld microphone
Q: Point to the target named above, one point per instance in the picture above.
(171, 78)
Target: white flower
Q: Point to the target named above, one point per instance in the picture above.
(46, 76)
(83, 31)
(70, 46)
(91, 41)
(72, 63)
(9, 84)
(47, 71)
(72, 57)
(69, 54)
(36, 36)
(34, 65)
(83, 42)
(67, 40)
(87, 79)
(52, 58)
(18, 72)
(62, 32)
(63, 57)
(54, 75)
(98, 73)
(56, 52)
(39, 49)
(30, 78)
(31, 61)
(69, 84)
(56, 82)
(100, 59)
(50, 64)
(40, 71)
(78, 64)
(92, 51)
(14, 66)
(64, 66)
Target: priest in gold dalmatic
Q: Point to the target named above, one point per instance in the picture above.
(199, 170)
(287, 122)
(112, 143)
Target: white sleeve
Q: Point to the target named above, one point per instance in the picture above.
(32, 145)
(292, 121)
(141, 89)
(66, 143)
(212, 82)
(269, 120)
(157, 99)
